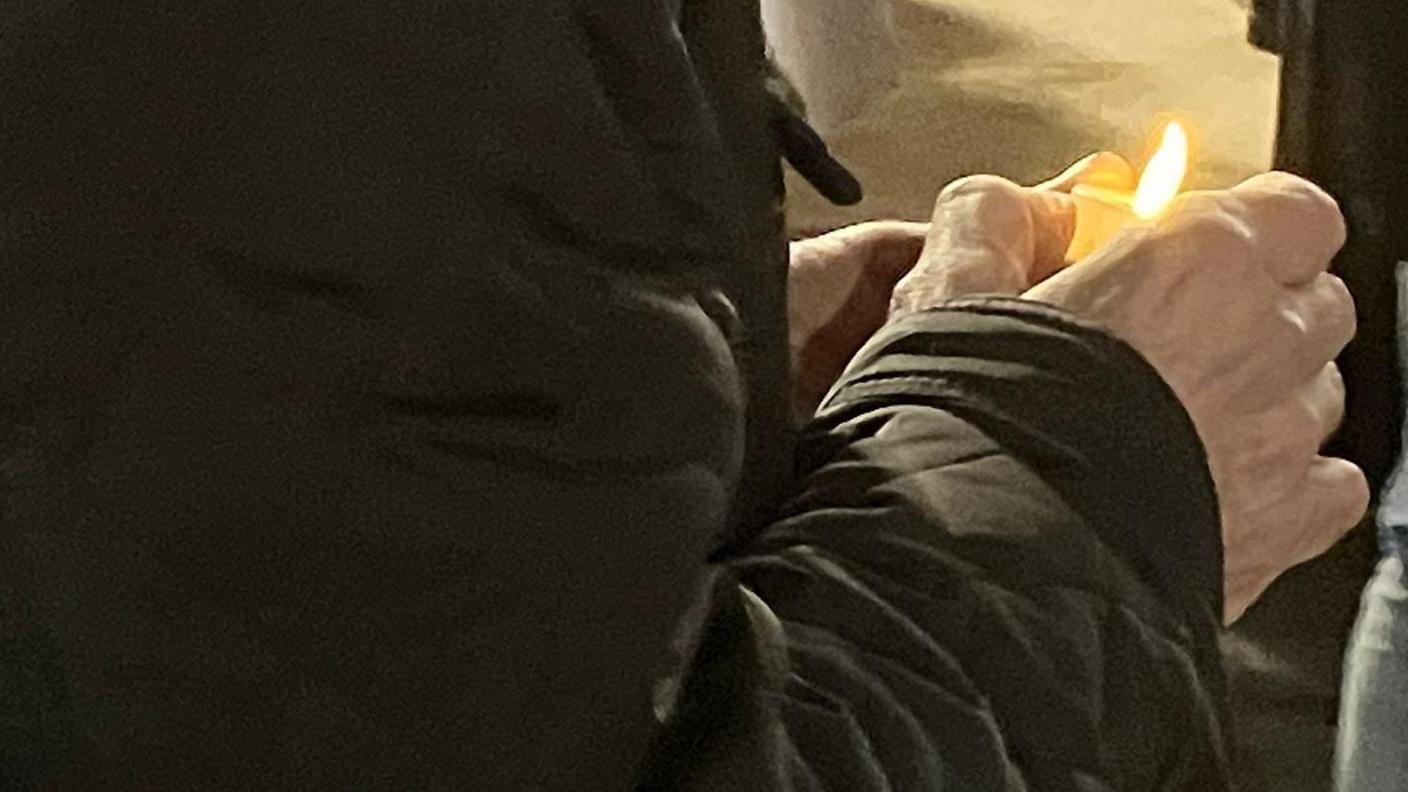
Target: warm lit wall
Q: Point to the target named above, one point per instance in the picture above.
(1020, 88)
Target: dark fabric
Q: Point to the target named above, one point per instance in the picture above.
(803, 148)
(366, 403)
(807, 152)
(1341, 116)
(1342, 113)
(1001, 572)
(377, 379)
(1264, 24)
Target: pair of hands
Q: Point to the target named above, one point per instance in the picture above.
(988, 236)
(1227, 296)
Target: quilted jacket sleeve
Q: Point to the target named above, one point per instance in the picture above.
(1002, 572)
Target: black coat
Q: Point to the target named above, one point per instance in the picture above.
(381, 384)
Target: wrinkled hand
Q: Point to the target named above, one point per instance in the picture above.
(991, 236)
(1228, 297)
(838, 292)
(985, 234)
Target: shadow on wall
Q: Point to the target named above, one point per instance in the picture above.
(938, 34)
(840, 54)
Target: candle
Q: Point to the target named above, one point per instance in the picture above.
(1102, 212)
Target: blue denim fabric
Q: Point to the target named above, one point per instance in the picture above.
(1371, 754)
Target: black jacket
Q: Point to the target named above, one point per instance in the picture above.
(381, 384)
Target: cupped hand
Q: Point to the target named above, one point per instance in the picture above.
(992, 236)
(987, 235)
(1228, 297)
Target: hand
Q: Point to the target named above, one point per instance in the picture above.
(838, 292)
(985, 235)
(1229, 298)
(991, 236)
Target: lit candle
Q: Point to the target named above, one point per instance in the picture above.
(1101, 212)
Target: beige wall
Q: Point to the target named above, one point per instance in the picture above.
(1022, 87)
(842, 55)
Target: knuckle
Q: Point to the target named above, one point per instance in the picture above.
(1192, 202)
(1301, 205)
(989, 201)
(1346, 489)
(1323, 212)
(1341, 316)
(1308, 439)
(1336, 289)
(1309, 352)
(1361, 495)
(1217, 232)
(1340, 298)
(1279, 181)
(1307, 431)
(981, 185)
(1334, 385)
(1354, 497)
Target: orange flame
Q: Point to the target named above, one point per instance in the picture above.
(1164, 174)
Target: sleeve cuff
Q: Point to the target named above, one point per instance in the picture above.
(1086, 409)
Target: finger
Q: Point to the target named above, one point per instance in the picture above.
(1053, 217)
(893, 229)
(1322, 322)
(1260, 459)
(871, 234)
(1324, 398)
(880, 251)
(1332, 498)
(1335, 498)
(893, 247)
(1297, 226)
(988, 230)
(1103, 169)
(988, 236)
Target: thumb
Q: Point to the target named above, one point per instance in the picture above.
(988, 236)
(1102, 169)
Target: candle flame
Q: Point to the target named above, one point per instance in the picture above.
(1164, 174)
